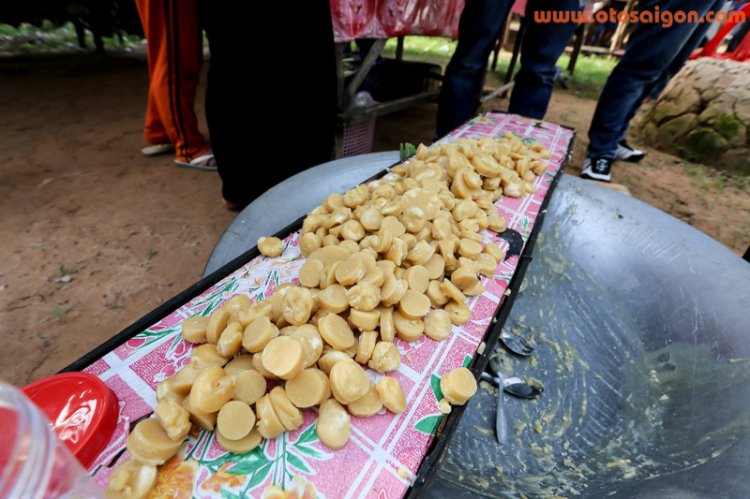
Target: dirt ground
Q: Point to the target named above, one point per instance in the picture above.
(94, 235)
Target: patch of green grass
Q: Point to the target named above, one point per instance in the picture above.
(116, 303)
(634, 186)
(433, 49)
(590, 74)
(742, 182)
(702, 199)
(151, 253)
(719, 185)
(722, 224)
(65, 270)
(588, 79)
(738, 235)
(50, 36)
(61, 311)
(698, 172)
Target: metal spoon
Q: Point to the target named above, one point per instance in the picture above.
(516, 344)
(515, 385)
(501, 427)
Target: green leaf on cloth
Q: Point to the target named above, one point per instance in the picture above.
(298, 463)
(435, 383)
(429, 424)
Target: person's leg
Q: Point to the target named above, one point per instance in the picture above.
(651, 48)
(624, 150)
(175, 54)
(543, 44)
(478, 29)
(738, 36)
(282, 127)
(699, 32)
(188, 61)
(153, 131)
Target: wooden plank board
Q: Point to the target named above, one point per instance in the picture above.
(623, 189)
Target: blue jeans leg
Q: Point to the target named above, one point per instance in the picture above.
(674, 67)
(650, 51)
(543, 44)
(478, 29)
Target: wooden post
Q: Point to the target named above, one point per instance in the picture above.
(502, 41)
(338, 139)
(80, 32)
(400, 48)
(361, 73)
(506, 33)
(581, 32)
(516, 51)
(620, 32)
(339, 47)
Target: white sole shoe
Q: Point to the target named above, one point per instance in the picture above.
(597, 169)
(627, 153)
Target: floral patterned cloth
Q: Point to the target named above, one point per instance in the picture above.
(356, 19)
(296, 464)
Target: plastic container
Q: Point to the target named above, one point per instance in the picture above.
(34, 463)
(358, 138)
(81, 409)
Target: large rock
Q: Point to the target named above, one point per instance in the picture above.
(675, 129)
(704, 142)
(704, 114)
(687, 101)
(666, 110)
(742, 110)
(723, 105)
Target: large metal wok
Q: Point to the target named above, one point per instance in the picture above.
(642, 326)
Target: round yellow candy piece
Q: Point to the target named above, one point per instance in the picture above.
(334, 425)
(458, 386)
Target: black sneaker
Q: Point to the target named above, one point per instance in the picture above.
(627, 153)
(597, 168)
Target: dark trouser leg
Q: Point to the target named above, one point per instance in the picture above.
(679, 61)
(543, 44)
(264, 125)
(478, 29)
(651, 49)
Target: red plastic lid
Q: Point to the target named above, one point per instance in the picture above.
(82, 410)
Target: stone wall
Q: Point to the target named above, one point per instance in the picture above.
(704, 114)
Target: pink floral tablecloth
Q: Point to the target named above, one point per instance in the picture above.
(380, 446)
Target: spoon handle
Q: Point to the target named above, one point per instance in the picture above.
(488, 377)
(500, 423)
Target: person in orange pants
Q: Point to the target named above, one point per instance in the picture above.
(175, 55)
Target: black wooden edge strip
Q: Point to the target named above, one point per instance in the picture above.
(428, 470)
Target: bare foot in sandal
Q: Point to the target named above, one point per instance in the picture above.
(205, 161)
(233, 206)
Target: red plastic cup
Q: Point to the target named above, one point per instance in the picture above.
(82, 410)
